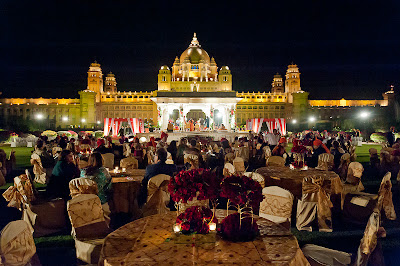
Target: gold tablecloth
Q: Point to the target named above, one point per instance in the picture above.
(125, 189)
(147, 242)
(292, 180)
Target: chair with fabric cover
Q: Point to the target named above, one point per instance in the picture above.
(229, 157)
(38, 170)
(325, 162)
(267, 152)
(55, 150)
(150, 155)
(257, 177)
(238, 163)
(318, 255)
(228, 170)
(353, 154)
(88, 226)
(157, 195)
(45, 217)
(358, 206)
(243, 152)
(108, 159)
(353, 180)
(276, 205)
(82, 185)
(17, 247)
(276, 160)
(129, 163)
(315, 203)
(193, 160)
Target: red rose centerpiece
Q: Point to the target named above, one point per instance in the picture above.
(244, 195)
(196, 219)
(193, 188)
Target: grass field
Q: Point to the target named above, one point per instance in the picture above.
(22, 154)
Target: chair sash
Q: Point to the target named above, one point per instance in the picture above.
(193, 160)
(325, 162)
(243, 152)
(276, 160)
(21, 193)
(129, 163)
(158, 195)
(277, 204)
(17, 246)
(55, 150)
(82, 185)
(257, 177)
(38, 170)
(267, 152)
(369, 240)
(385, 197)
(313, 191)
(229, 157)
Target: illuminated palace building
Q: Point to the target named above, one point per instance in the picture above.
(192, 88)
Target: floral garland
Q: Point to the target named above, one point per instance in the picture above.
(196, 219)
(200, 183)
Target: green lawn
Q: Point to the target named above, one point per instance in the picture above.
(22, 154)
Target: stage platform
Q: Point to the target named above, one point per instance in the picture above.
(215, 135)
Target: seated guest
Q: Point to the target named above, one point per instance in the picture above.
(138, 151)
(96, 172)
(192, 149)
(319, 148)
(180, 152)
(163, 142)
(159, 167)
(337, 153)
(172, 149)
(279, 149)
(64, 171)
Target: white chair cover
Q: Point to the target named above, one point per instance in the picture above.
(238, 163)
(267, 152)
(257, 177)
(277, 204)
(126, 149)
(88, 226)
(16, 244)
(158, 196)
(108, 160)
(129, 163)
(325, 162)
(276, 160)
(325, 256)
(229, 169)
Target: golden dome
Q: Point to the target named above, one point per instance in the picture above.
(195, 53)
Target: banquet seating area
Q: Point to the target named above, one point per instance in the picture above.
(125, 201)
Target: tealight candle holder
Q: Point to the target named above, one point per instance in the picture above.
(212, 226)
(124, 169)
(177, 228)
(116, 168)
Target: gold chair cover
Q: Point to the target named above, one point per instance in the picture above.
(21, 193)
(370, 239)
(85, 209)
(129, 163)
(315, 199)
(238, 163)
(267, 152)
(276, 160)
(158, 195)
(193, 160)
(325, 162)
(108, 159)
(38, 170)
(229, 157)
(277, 204)
(82, 185)
(228, 170)
(243, 152)
(353, 179)
(385, 197)
(16, 244)
(344, 166)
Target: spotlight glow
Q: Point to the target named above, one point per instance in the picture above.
(364, 114)
(65, 118)
(294, 121)
(39, 116)
(83, 120)
(311, 119)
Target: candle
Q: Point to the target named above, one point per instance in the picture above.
(123, 169)
(177, 228)
(116, 168)
(212, 226)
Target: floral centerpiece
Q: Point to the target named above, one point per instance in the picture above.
(244, 195)
(196, 219)
(299, 151)
(190, 187)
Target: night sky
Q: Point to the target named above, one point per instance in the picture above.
(347, 49)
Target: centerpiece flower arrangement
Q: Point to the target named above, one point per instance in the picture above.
(194, 187)
(244, 195)
(196, 219)
(299, 151)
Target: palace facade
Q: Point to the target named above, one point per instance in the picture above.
(192, 88)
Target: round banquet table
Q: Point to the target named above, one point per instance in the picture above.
(126, 186)
(291, 180)
(147, 241)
